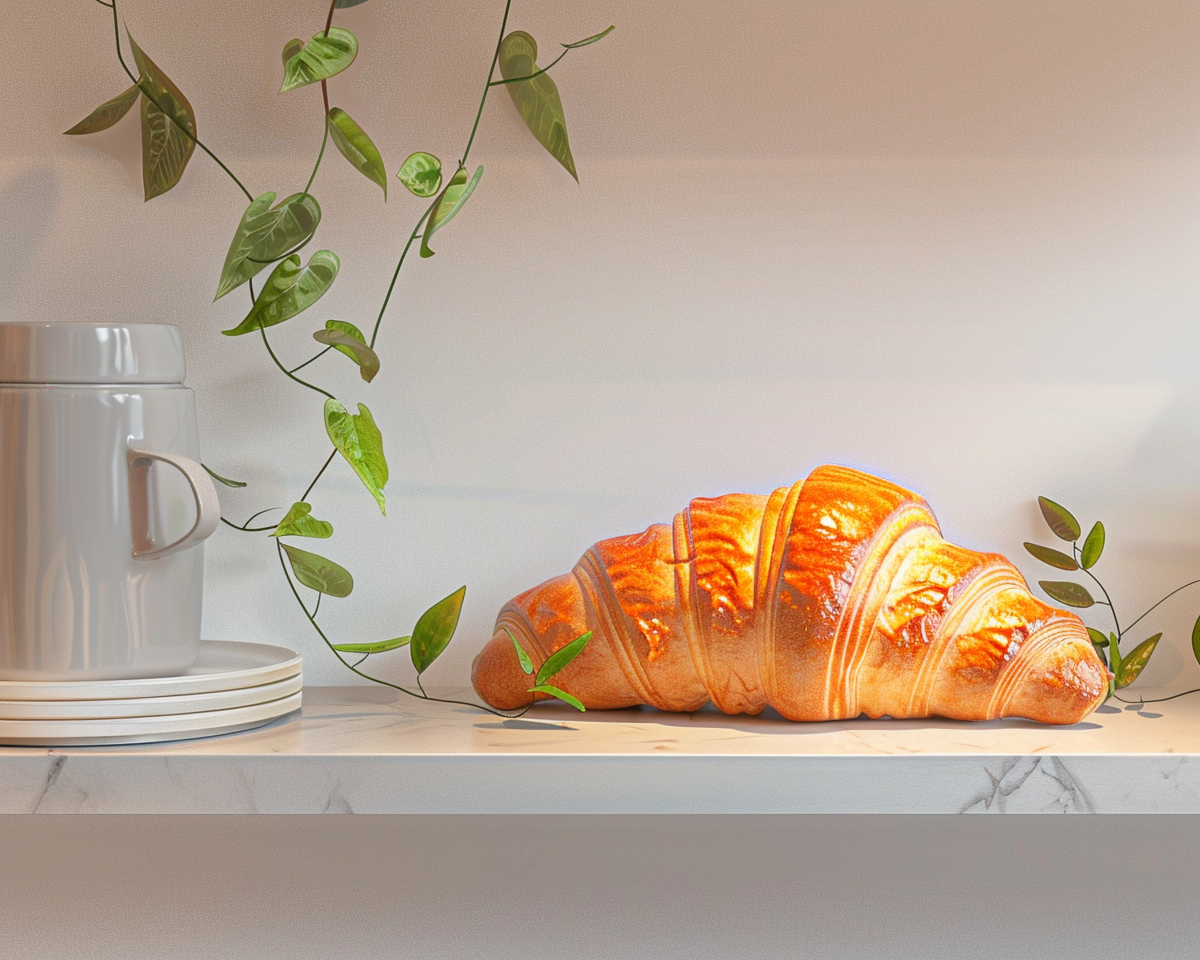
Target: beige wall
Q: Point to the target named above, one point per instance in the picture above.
(951, 242)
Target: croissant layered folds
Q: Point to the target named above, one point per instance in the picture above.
(828, 599)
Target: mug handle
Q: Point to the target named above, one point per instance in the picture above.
(208, 508)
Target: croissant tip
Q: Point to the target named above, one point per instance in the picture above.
(497, 676)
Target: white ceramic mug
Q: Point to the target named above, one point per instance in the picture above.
(103, 503)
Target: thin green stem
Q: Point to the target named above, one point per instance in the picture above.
(1107, 599)
(324, 467)
(286, 372)
(324, 137)
(488, 85)
(311, 359)
(1164, 599)
(536, 73)
(1158, 699)
(317, 607)
(396, 273)
(246, 526)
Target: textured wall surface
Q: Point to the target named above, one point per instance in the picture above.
(951, 243)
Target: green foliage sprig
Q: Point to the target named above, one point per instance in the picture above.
(1125, 668)
(272, 235)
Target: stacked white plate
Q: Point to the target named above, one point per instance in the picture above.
(232, 686)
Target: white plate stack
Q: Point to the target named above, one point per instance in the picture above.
(232, 686)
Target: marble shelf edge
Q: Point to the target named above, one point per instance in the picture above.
(355, 751)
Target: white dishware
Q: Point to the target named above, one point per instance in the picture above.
(221, 665)
(186, 726)
(103, 503)
(124, 708)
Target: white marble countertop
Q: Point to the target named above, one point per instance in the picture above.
(361, 750)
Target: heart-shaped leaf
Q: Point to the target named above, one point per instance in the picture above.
(366, 358)
(383, 646)
(354, 144)
(452, 198)
(360, 442)
(319, 59)
(108, 113)
(289, 290)
(1056, 558)
(1072, 594)
(560, 694)
(1134, 661)
(319, 573)
(300, 523)
(422, 173)
(536, 99)
(265, 234)
(1093, 546)
(1098, 639)
(434, 629)
(166, 149)
(224, 480)
(1059, 519)
(560, 658)
(291, 48)
(592, 39)
(522, 656)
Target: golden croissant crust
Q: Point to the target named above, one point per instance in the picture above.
(828, 599)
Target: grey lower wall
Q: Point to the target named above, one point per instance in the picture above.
(590, 887)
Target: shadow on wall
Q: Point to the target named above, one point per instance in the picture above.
(29, 202)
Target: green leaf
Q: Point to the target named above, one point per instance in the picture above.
(265, 234)
(1135, 660)
(360, 442)
(166, 148)
(536, 99)
(1093, 546)
(225, 480)
(434, 629)
(522, 656)
(319, 59)
(592, 39)
(354, 347)
(343, 4)
(299, 523)
(382, 646)
(422, 173)
(291, 48)
(318, 573)
(354, 144)
(1056, 558)
(1072, 594)
(560, 658)
(1196, 640)
(1059, 519)
(289, 290)
(1098, 639)
(452, 198)
(105, 115)
(561, 694)
(1114, 656)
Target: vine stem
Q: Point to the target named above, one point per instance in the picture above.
(286, 372)
(1158, 699)
(536, 73)
(304, 496)
(1107, 598)
(487, 86)
(170, 116)
(1164, 599)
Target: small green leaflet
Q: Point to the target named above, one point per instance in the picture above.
(1056, 558)
(1093, 546)
(166, 148)
(343, 4)
(522, 656)
(319, 59)
(1098, 639)
(354, 144)
(383, 646)
(225, 480)
(265, 234)
(561, 694)
(536, 99)
(1133, 662)
(360, 442)
(348, 339)
(452, 198)
(299, 523)
(1196, 640)
(421, 173)
(1064, 591)
(560, 658)
(105, 115)
(318, 573)
(592, 39)
(1059, 519)
(289, 290)
(1114, 656)
(434, 630)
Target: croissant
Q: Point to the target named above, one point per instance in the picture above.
(828, 599)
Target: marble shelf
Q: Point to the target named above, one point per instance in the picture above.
(360, 750)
